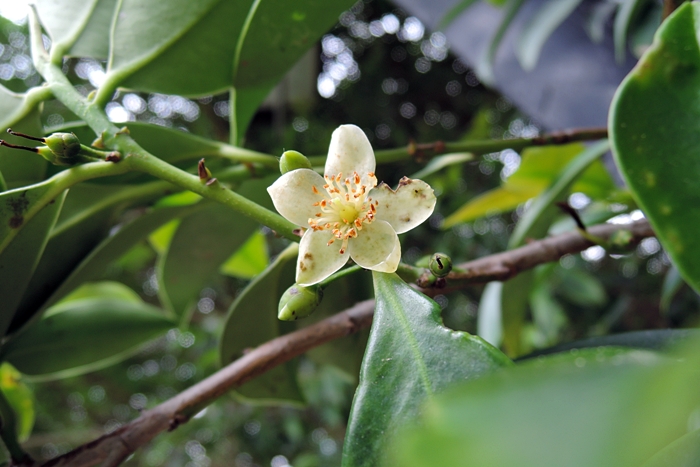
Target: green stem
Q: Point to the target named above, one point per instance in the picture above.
(426, 150)
(61, 182)
(239, 154)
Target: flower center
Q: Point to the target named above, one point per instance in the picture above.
(345, 208)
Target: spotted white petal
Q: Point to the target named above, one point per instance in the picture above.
(316, 259)
(349, 152)
(374, 246)
(392, 262)
(294, 197)
(410, 205)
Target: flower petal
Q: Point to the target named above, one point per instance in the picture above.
(375, 246)
(293, 195)
(350, 152)
(410, 205)
(392, 262)
(317, 260)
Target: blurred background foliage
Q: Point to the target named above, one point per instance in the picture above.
(382, 70)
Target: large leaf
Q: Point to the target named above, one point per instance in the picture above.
(201, 243)
(539, 168)
(684, 452)
(540, 27)
(84, 334)
(655, 131)
(250, 260)
(252, 320)
(22, 252)
(78, 27)
(598, 407)
(410, 358)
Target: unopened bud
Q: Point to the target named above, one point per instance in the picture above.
(60, 148)
(440, 264)
(299, 302)
(292, 160)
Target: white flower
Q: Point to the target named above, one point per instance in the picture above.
(346, 213)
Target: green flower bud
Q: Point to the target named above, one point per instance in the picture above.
(292, 160)
(440, 264)
(65, 146)
(299, 302)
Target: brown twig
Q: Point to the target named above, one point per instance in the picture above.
(111, 449)
(505, 265)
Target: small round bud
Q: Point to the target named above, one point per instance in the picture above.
(299, 302)
(440, 264)
(292, 160)
(63, 145)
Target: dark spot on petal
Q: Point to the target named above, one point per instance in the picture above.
(302, 266)
(405, 181)
(405, 219)
(308, 256)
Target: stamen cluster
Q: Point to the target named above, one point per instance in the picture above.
(346, 208)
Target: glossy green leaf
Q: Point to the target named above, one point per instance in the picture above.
(21, 399)
(22, 252)
(201, 243)
(113, 247)
(538, 169)
(252, 320)
(80, 28)
(654, 127)
(684, 452)
(19, 167)
(602, 407)
(454, 12)
(250, 260)
(539, 28)
(627, 13)
(82, 335)
(410, 358)
(105, 289)
(484, 66)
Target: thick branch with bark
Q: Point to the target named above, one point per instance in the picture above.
(111, 449)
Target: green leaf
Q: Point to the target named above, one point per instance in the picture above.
(79, 28)
(484, 66)
(454, 12)
(627, 14)
(112, 248)
(201, 243)
(410, 358)
(538, 169)
(105, 289)
(537, 219)
(19, 167)
(684, 452)
(24, 248)
(548, 314)
(576, 409)
(252, 320)
(21, 399)
(250, 260)
(656, 111)
(539, 28)
(82, 335)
